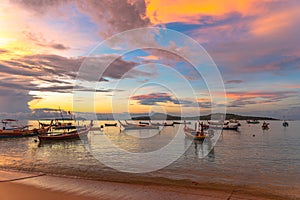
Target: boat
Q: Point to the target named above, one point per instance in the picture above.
(252, 121)
(233, 127)
(285, 124)
(162, 124)
(66, 135)
(63, 125)
(265, 126)
(11, 129)
(218, 125)
(235, 121)
(224, 127)
(196, 134)
(144, 123)
(130, 126)
(110, 124)
(216, 122)
(182, 122)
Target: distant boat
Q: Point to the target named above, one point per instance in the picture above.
(182, 123)
(162, 124)
(233, 127)
(110, 124)
(58, 125)
(144, 123)
(196, 135)
(11, 129)
(253, 121)
(75, 134)
(216, 122)
(285, 124)
(234, 121)
(218, 125)
(130, 126)
(265, 126)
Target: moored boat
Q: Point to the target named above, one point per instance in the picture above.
(235, 121)
(12, 130)
(196, 134)
(285, 124)
(265, 126)
(162, 124)
(182, 122)
(75, 134)
(110, 124)
(130, 126)
(252, 121)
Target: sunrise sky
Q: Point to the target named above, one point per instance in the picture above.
(255, 45)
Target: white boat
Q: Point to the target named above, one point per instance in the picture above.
(131, 126)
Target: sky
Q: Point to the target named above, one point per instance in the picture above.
(45, 44)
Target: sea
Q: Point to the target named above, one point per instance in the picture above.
(250, 157)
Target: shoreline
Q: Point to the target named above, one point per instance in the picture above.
(38, 184)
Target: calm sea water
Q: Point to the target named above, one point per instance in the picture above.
(250, 156)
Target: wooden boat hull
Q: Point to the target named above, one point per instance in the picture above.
(253, 122)
(157, 124)
(137, 126)
(131, 127)
(18, 135)
(265, 127)
(115, 124)
(195, 135)
(64, 136)
(182, 122)
(22, 133)
(234, 128)
(231, 128)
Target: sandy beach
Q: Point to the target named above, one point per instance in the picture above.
(18, 185)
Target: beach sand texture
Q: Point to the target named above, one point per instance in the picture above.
(27, 186)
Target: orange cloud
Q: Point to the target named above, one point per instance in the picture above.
(189, 11)
(275, 22)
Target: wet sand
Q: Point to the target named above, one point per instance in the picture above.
(34, 186)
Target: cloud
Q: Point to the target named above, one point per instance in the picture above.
(41, 41)
(13, 101)
(40, 7)
(154, 98)
(189, 12)
(242, 99)
(169, 101)
(115, 16)
(2, 51)
(112, 16)
(234, 81)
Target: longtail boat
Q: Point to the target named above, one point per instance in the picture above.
(130, 126)
(197, 134)
(162, 124)
(75, 134)
(253, 121)
(110, 124)
(12, 130)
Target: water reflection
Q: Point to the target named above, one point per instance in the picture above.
(200, 148)
(241, 157)
(142, 133)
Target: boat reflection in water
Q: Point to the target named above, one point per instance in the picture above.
(200, 148)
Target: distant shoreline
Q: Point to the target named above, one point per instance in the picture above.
(160, 116)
